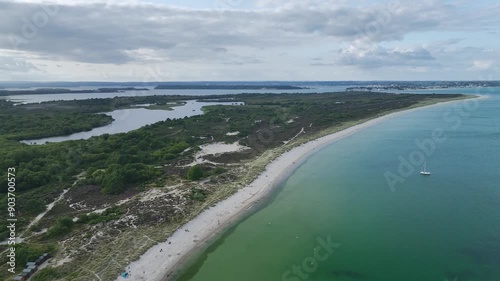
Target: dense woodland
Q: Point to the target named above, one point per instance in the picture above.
(116, 163)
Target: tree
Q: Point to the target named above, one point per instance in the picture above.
(62, 226)
(114, 183)
(195, 173)
(34, 206)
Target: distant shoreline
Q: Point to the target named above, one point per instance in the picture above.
(227, 87)
(164, 261)
(55, 91)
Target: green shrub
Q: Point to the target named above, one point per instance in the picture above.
(61, 227)
(218, 171)
(195, 173)
(198, 194)
(109, 214)
(35, 228)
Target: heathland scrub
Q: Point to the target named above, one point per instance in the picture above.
(164, 260)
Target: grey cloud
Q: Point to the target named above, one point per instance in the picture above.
(244, 61)
(323, 64)
(448, 42)
(374, 23)
(87, 33)
(97, 33)
(107, 33)
(220, 50)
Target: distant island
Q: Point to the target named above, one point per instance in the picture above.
(26, 87)
(226, 87)
(422, 85)
(44, 91)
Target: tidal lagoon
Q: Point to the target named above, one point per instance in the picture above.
(126, 120)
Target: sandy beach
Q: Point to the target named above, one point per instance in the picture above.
(163, 259)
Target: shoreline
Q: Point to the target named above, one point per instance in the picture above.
(164, 260)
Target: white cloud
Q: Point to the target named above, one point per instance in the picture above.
(11, 64)
(482, 65)
(377, 57)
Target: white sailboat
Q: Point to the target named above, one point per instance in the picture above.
(424, 171)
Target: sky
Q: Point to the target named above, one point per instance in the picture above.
(248, 40)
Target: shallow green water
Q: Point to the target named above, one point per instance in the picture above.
(445, 226)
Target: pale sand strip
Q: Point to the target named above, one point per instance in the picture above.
(157, 264)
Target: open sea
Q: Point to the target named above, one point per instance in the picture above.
(360, 210)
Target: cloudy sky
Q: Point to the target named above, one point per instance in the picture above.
(202, 40)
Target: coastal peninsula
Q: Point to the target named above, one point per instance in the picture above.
(113, 197)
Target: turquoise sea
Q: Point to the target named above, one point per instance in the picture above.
(338, 218)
